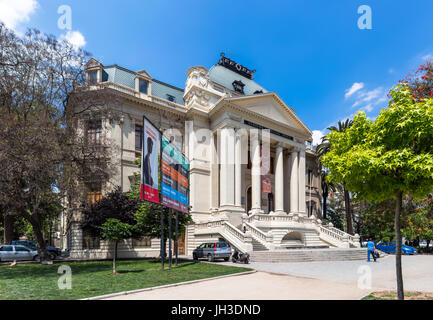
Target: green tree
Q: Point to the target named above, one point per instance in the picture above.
(322, 149)
(388, 157)
(115, 230)
(148, 215)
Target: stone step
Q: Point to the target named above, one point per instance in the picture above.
(301, 255)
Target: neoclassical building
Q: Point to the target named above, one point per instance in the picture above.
(254, 178)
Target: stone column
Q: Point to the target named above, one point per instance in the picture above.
(214, 190)
(279, 181)
(301, 177)
(294, 189)
(238, 171)
(227, 170)
(256, 203)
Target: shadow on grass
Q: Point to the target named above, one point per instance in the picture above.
(129, 271)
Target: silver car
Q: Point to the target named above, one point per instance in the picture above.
(16, 252)
(212, 251)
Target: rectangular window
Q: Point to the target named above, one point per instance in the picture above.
(90, 241)
(94, 196)
(171, 98)
(93, 77)
(143, 242)
(138, 137)
(94, 130)
(143, 86)
(310, 178)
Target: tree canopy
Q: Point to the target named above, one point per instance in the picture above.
(394, 152)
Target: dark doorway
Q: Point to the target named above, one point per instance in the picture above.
(270, 202)
(248, 200)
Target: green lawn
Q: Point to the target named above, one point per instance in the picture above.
(35, 281)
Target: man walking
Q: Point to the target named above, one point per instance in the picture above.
(370, 250)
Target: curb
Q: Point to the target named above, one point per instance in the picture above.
(110, 295)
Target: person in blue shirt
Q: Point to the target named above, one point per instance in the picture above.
(370, 250)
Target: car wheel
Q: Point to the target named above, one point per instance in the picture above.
(209, 258)
(52, 255)
(36, 258)
(194, 257)
(226, 259)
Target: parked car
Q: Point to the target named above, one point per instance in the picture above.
(12, 252)
(212, 251)
(389, 247)
(52, 251)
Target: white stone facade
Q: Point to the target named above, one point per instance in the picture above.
(222, 132)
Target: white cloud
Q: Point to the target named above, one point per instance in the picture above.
(370, 99)
(427, 57)
(317, 137)
(75, 38)
(15, 12)
(355, 87)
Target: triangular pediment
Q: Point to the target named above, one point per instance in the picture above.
(92, 63)
(270, 106)
(143, 74)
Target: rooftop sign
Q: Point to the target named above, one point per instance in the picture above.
(236, 67)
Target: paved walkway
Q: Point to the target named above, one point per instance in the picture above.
(334, 280)
(417, 271)
(255, 286)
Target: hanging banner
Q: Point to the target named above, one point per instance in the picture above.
(150, 163)
(174, 177)
(265, 169)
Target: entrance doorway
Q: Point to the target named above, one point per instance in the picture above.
(249, 201)
(270, 202)
(181, 244)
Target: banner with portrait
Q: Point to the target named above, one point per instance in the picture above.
(150, 164)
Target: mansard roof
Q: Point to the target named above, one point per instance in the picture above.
(126, 77)
(226, 77)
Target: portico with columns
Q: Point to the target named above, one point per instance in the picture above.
(225, 135)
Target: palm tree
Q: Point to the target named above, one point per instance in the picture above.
(321, 150)
(326, 186)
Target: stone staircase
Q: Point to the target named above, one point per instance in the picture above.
(283, 238)
(305, 255)
(257, 246)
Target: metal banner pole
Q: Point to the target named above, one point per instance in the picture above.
(162, 239)
(169, 238)
(176, 244)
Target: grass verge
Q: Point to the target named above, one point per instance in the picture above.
(40, 282)
(392, 295)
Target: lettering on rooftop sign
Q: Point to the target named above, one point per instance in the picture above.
(236, 67)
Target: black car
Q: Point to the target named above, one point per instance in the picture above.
(52, 251)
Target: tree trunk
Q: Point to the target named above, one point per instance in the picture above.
(325, 206)
(34, 221)
(398, 240)
(115, 257)
(8, 232)
(348, 212)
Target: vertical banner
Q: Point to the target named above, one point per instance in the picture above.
(150, 163)
(174, 177)
(265, 169)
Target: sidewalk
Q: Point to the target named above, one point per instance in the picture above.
(255, 286)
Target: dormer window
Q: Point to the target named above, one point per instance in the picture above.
(143, 86)
(238, 86)
(93, 77)
(171, 98)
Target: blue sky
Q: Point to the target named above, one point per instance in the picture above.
(310, 52)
